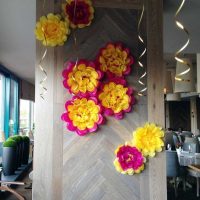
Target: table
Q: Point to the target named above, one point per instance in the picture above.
(194, 170)
(186, 158)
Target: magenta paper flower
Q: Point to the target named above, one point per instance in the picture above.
(129, 160)
(83, 115)
(116, 98)
(115, 60)
(81, 78)
(79, 13)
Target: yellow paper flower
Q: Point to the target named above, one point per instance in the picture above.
(115, 60)
(81, 78)
(149, 139)
(83, 115)
(116, 98)
(51, 30)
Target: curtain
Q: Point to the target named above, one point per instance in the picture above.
(2, 102)
(15, 113)
(7, 107)
(11, 107)
(9, 102)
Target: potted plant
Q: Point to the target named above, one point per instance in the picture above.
(18, 139)
(26, 149)
(9, 157)
(16, 161)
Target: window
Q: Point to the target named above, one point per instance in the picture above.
(26, 116)
(2, 79)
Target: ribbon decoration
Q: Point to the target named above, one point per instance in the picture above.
(44, 89)
(74, 34)
(141, 65)
(178, 77)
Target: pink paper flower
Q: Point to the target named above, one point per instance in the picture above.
(81, 78)
(83, 115)
(116, 98)
(115, 60)
(129, 160)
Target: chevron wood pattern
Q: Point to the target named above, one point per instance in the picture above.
(88, 172)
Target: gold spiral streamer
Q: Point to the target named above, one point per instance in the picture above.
(44, 89)
(141, 65)
(178, 77)
(74, 35)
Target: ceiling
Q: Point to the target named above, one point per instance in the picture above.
(17, 41)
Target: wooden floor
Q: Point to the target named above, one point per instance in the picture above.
(27, 193)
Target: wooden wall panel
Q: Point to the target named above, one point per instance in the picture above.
(88, 171)
(155, 82)
(122, 4)
(48, 137)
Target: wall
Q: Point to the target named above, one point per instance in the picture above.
(27, 90)
(70, 167)
(88, 169)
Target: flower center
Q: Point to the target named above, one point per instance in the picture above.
(51, 29)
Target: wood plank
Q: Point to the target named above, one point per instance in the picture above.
(122, 4)
(155, 73)
(195, 167)
(47, 168)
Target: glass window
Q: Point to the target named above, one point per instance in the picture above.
(26, 116)
(2, 85)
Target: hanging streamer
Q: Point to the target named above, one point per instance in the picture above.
(141, 65)
(44, 89)
(178, 77)
(74, 34)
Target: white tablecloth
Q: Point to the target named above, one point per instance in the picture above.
(186, 158)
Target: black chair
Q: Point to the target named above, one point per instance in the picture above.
(174, 170)
(176, 140)
(169, 140)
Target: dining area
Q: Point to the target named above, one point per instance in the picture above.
(182, 164)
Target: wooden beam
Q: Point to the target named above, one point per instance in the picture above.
(198, 72)
(193, 114)
(155, 71)
(122, 4)
(48, 149)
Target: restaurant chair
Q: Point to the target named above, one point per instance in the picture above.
(193, 147)
(169, 140)
(186, 133)
(174, 170)
(5, 186)
(176, 140)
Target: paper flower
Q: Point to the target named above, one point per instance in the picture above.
(116, 98)
(129, 160)
(51, 30)
(148, 139)
(81, 78)
(79, 12)
(115, 60)
(83, 115)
